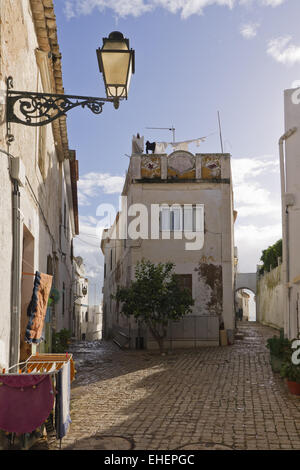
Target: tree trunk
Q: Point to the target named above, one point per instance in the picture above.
(158, 338)
(160, 341)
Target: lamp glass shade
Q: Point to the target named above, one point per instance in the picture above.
(84, 291)
(115, 61)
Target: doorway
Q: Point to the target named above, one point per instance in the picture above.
(26, 289)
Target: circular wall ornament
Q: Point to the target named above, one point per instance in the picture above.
(181, 161)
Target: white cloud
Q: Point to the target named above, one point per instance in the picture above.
(249, 168)
(273, 3)
(252, 200)
(265, 3)
(251, 197)
(249, 31)
(69, 9)
(283, 51)
(135, 8)
(191, 7)
(120, 7)
(123, 8)
(90, 184)
(257, 201)
(251, 240)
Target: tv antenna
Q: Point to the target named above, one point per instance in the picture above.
(166, 128)
(220, 132)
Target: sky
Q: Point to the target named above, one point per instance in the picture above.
(193, 58)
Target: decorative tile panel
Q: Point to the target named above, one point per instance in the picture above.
(211, 167)
(150, 167)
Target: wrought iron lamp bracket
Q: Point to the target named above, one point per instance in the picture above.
(38, 109)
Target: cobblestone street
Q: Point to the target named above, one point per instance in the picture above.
(211, 398)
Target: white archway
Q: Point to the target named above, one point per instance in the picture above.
(246, 281)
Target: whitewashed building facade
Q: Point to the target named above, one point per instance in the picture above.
(167, 191)
(38, 180)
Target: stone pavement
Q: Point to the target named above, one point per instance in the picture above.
(209, 398)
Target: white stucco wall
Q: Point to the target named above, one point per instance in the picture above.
(269, 298)
(292, 157)
(40, 198)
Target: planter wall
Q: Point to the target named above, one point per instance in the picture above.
(294, 387)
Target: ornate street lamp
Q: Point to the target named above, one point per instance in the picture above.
(82, 294)
(84, 291)
(116, 62)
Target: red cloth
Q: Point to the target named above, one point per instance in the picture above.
(25, 401)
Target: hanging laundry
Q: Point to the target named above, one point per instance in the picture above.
(160, 147)
(62, 405)
(25, 401)
(199, 141)
(180, 146)
(37, 308)
(184, 145)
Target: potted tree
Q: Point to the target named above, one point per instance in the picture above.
(280, 350)
(291, 372)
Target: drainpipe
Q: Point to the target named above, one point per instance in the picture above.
(285, 236)
(16, 281)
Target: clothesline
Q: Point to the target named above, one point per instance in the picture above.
(198, 140)
(160, 147)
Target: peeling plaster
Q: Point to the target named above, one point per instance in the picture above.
(210, 293)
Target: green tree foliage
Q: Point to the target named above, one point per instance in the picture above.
(61, 341)
(155, 298)
(279, 346)
(270, 256)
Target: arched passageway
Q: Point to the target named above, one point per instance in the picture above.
(245, 304)
(245, 295)
(246, 281)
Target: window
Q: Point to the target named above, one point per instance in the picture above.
(171, 218)
(185, 281)
(63, 298)
(65, 217)
(187, 217)
(70, 300)
(49, 265)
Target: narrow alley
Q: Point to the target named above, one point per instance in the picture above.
(206, 398)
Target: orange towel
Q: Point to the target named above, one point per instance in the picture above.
(37, 307)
